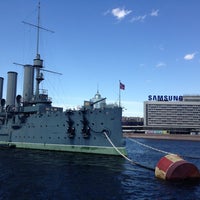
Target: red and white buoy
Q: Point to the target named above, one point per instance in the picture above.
(173, 167)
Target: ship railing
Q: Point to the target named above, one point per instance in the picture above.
(44, 95)
(43, 91)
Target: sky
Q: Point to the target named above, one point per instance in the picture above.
(151, 46)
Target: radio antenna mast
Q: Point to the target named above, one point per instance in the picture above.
(38, 29)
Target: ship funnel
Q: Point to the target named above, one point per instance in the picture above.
(1, 87)
(28, 83)
(11, 88)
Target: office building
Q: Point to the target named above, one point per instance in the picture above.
(172, 112)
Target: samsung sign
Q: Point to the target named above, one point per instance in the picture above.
(164, 98)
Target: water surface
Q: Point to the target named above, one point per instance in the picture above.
(33, 174)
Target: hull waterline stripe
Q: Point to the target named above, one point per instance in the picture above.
(69, 148)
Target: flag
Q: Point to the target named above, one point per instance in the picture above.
(122, 86)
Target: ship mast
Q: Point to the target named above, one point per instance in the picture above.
(38, 63)
(38, 29)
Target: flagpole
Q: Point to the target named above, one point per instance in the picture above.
(119, 94)
(121, 87)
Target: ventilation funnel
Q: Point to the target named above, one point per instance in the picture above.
(11, 88)
(1, 87)
(28, 83)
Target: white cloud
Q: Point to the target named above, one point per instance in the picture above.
(139, 18)
(160, 64)
(189, 56)
(161, 47)
(106, 12)
(148, 81)
(142, 65)
(154, 13)
(120, 13)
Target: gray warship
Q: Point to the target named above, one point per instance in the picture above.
(30, 120)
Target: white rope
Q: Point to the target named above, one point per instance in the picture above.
(165, 152)
(116, 148)
(131, 161)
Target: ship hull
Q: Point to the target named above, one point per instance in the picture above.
(73, 131)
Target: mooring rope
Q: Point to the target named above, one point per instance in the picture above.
(192, 157)
(159, 150)
(165, 152)
(128, 159)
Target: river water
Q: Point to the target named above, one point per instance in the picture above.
(34, 174)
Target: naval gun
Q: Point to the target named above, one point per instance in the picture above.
(89, 104)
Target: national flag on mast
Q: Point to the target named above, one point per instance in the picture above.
(121, 86)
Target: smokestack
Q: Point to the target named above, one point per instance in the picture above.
(1, 87)
(11, 88)
(28, 83)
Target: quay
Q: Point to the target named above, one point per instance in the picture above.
(159, 133)
(163, 136)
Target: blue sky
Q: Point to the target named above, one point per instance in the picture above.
(152, 46)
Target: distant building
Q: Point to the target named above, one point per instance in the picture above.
(132, 121)
(101, 102)
(177, 113)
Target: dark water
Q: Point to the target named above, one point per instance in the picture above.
(33, 174)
